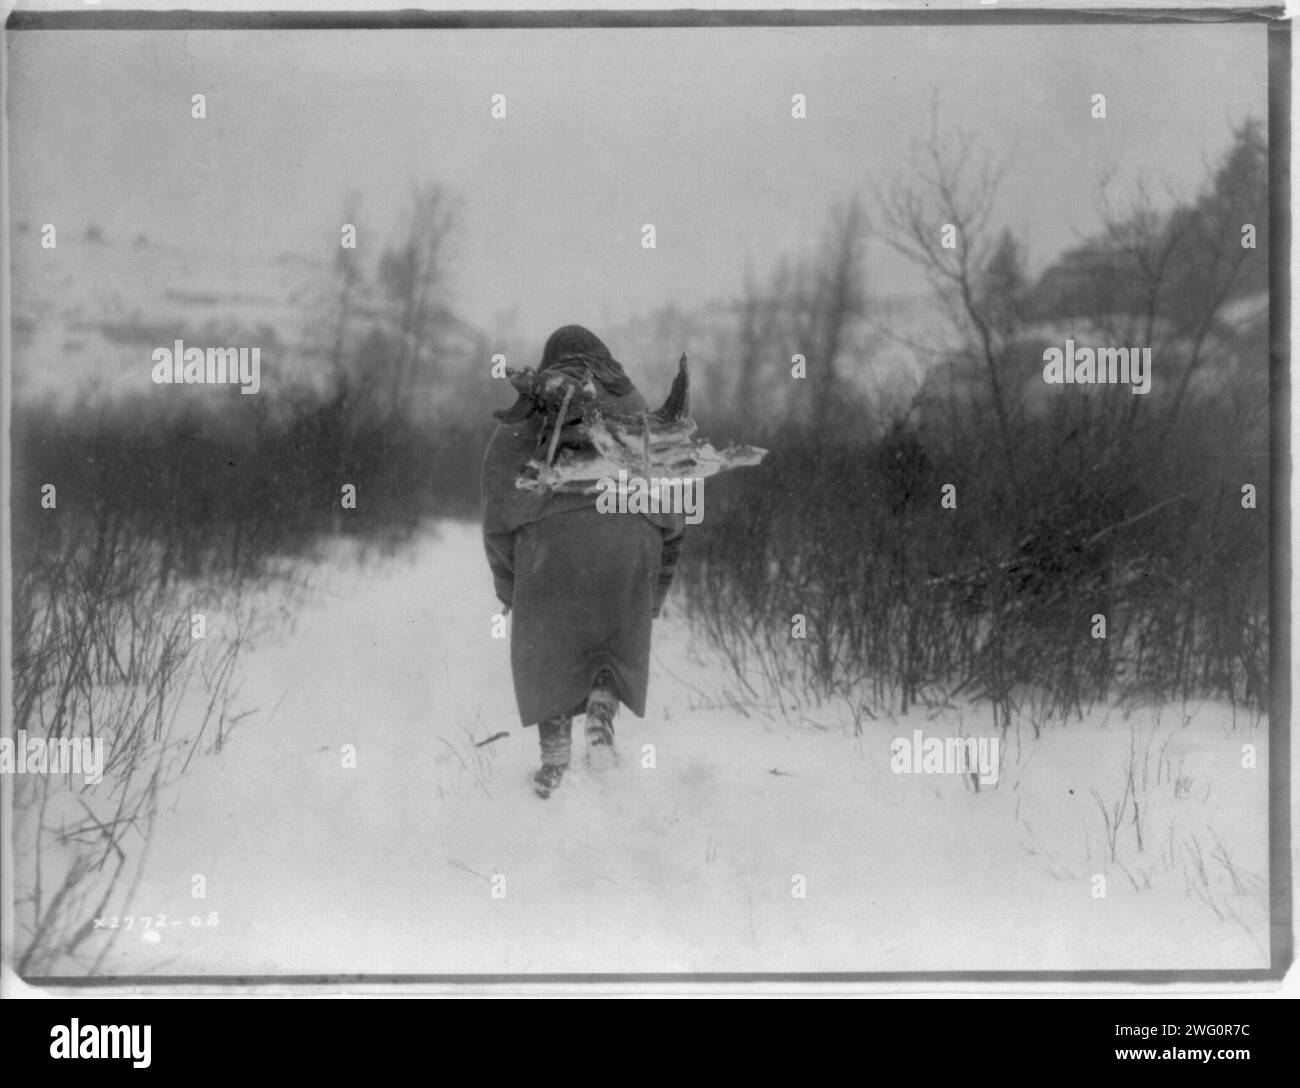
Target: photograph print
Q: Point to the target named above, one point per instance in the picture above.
(741, 500)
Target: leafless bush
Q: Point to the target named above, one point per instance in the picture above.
(104, 652)
(1125, 508)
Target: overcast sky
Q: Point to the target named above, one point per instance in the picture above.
(606, 130)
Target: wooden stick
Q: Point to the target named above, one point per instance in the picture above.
(1130, 521)
(559, 425)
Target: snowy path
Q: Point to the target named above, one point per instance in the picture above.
(395, 866)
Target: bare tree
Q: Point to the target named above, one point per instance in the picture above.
(811, 307)
(940, 218)
(348, 274)
(412, 275)
(833, 304)
(754, 320)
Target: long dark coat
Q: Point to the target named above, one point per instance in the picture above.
(583, 586)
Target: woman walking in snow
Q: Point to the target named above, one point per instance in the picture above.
(584, 586)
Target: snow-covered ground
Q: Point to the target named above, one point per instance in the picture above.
(434, 856)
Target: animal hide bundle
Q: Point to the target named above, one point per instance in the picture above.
(581, 440)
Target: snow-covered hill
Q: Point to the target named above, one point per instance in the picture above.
(89, 312)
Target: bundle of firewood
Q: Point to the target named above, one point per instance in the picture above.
(582, 441)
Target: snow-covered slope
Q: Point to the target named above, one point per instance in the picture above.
(89, 313)
(433, 856)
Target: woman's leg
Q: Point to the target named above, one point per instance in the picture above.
(602, 705)
(554, 735)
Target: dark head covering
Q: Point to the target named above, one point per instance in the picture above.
(575, 350)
